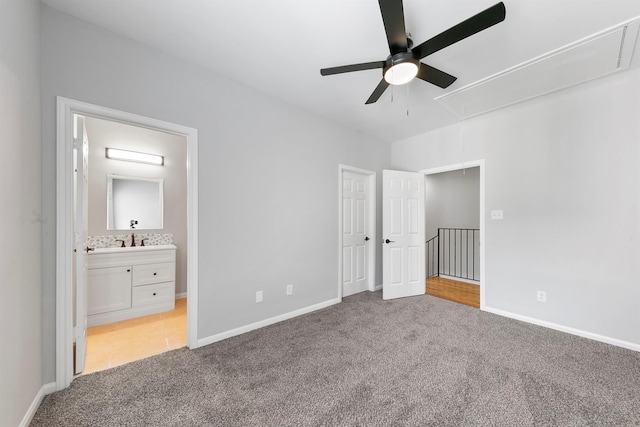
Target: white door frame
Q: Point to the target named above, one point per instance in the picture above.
(466, 165)
(372, 225)
(64, 226)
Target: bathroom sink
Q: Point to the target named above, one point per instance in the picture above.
(131, 249)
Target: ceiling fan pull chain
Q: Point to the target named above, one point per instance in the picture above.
(464, 168)
(407, 85)
(392, 90)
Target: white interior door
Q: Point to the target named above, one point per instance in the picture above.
(81, 226)
(403, 249)
(355, 226)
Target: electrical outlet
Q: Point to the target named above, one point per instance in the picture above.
(497, 214)
(289, 289)
(542, 296)
(259, 296)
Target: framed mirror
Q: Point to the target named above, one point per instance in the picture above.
(134, 203)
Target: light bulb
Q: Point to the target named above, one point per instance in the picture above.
(401, 73)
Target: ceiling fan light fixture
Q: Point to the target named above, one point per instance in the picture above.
(401, 73)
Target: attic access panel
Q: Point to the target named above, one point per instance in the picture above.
(601, 54)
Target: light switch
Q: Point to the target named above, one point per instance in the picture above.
(497, 214)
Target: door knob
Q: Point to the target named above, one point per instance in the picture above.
(389, 241)
(366, 239)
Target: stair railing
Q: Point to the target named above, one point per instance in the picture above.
(433, 256)
(454, 252)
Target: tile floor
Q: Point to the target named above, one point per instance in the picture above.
(122, 342)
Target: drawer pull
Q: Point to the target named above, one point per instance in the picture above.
(155, 274)
(154, 294)
(128, 270)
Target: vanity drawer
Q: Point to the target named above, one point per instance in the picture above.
(160, 293)
(153, 273)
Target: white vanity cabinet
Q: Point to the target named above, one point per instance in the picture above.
(130, 282)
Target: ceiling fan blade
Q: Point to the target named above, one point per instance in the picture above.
(350, 68)
(483, 20)
(377, 93)
(435, 76)
(393, 18)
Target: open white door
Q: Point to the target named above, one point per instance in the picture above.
(81, 226)
(403, 249)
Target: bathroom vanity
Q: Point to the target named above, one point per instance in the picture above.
(130, 282)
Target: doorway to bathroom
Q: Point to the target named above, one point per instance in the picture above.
(111, 333)
(133, 203)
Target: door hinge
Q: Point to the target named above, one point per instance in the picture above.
(79, 332)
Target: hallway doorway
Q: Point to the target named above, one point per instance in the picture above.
(454, 221)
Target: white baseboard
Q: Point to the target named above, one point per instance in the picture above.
(44, 390)
(378, 287)
(460, 279)
(181, 295)
(569, 330)
(257, 325)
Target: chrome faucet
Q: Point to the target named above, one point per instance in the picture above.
(142, 241)
(121, 242)
(133, 240)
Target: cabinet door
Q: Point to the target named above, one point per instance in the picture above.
(109, 289)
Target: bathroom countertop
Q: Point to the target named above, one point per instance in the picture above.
(131, 249)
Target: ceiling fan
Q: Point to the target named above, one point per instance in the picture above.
(403, 64)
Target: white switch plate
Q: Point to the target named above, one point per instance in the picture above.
(497, 214)
(289, 289)
(259, 296)
(542, 296)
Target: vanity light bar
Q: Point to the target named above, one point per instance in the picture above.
(132, 156)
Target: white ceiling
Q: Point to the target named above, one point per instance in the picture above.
(279, 46)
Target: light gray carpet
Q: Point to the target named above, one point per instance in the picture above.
(366, 362)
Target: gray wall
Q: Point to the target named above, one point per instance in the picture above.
(452, 199)
(105, 133)
(268, 173)
(20, 191)
(566, 170)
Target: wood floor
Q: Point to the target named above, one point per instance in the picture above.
(452, 290)
(122, 342)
